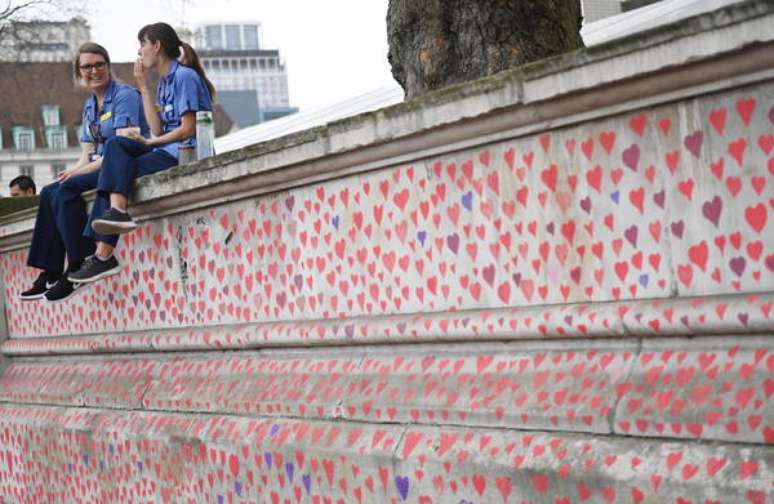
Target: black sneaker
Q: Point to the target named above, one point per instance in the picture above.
(94, 269)
(39, 287)
(62, 290)
(113, 222)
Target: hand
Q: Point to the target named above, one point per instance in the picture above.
(66, 174)
(139, 75)
(132, 133)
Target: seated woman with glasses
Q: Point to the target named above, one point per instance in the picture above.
(112, 108)
(182, 91)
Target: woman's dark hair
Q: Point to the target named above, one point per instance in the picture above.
(171, 44)
(88, 48)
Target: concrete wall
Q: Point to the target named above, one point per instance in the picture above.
(552, 285)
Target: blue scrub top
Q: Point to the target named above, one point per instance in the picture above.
(121, 107)
(179, 92)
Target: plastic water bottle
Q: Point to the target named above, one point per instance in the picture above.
(205, 134)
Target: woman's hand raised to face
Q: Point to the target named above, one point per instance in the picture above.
(139, 76)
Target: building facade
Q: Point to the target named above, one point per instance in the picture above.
(39, 125)
(43, 41)
(252, 81)
(594, 10)
(40, 153)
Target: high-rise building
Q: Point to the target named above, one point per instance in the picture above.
(251, 81)
(43, 41)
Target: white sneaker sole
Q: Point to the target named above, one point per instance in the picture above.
(111, 228)
(100, 276)
(32, 298)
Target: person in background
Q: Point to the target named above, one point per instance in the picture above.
(112, 108)
(22, 186)
(183, 90)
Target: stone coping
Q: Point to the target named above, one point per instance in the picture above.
(681, 57)
(678, 317)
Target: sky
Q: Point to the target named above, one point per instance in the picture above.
(333, 50)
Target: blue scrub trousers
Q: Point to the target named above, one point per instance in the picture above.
(123, 160)
(59, 224)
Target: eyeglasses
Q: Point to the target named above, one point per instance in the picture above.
(93, 66)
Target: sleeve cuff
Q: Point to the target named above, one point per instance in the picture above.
(186, 107)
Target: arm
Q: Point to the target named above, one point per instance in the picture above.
(187, 91)
(186, 130)
(83, 165)
(127, 109)
(154, 121)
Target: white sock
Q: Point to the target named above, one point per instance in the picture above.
(103, 258)
(122, 211)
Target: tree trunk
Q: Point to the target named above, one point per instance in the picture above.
(434, 43)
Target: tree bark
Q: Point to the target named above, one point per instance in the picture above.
(435, 43)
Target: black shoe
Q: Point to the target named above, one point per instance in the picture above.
(39, 287)
(62, 290)
(113, 222)
(95, 269)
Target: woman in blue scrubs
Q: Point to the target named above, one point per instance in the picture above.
(182, 91)
(62, 216)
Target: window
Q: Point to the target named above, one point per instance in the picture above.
(28, 170)
(262, 63)
(206, 64)
(57, 168)
(243, 64)
(232, 37)
(250, 34)
(214, 38)
(253, 64)
(56, 138)
(216, 64)
(50, 115)
(272, 63)
(24, 138)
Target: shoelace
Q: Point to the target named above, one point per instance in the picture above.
(60, 284)
(89, 262)
(40, 281)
